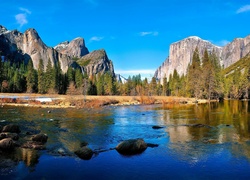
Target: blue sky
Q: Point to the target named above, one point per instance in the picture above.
(136, 34)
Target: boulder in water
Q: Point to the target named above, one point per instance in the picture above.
(13, 136)
(12, 128)
(131, 147)
(6, 144)
(84, 153)
(40, 138)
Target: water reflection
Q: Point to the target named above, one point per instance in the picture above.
(191, 133)
(226, 123)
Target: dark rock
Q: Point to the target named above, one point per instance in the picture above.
(3, 136)
(157, 127)
(84, 153)
(29, 133)
(13, 136)
(6, 144)
(198, 125)
(33, 145)
(40, 138)
(12, 128)
(84, 143)
(131, 147)
(49, 111)
(152, 145)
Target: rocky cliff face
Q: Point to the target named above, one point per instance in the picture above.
(19, 46)
(181, 52)
(76, 48)
(96, 62)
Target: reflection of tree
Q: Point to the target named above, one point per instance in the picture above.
(228, 121)
(29, 156)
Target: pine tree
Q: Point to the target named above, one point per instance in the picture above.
(100, 84)
(78, 79)
(153, 86)
(41, 81)
(49, 81)
(164, 86)
(31, 78)
(145, 87)
(193, 76)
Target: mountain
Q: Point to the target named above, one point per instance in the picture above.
(76, 48)
(96, 62)
(181, 52)
(17, 46)
(120, 78)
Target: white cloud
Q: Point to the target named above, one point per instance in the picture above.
(152, 33)
(243, 9)
(21, 18)
(25, 10)
(96, 38)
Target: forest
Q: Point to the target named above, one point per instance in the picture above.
(205, 79)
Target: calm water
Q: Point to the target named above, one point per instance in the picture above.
(220, 150)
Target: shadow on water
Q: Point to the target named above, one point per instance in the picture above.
(191, 137)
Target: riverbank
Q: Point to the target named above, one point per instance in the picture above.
(81, 101)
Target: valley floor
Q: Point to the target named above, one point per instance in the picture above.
(81, 101)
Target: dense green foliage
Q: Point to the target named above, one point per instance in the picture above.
(205, 78)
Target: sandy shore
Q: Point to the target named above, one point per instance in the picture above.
(81, 101)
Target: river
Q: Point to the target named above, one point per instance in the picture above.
(207, 141)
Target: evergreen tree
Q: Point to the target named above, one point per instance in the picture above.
(208, 77)
(71, 74)
(164, 86)
(100, 84)
(78, 78)
(153, 86)
(49, 81)
(108, 84)
(145, 87)
(41, 80)
(193, 76)
(31, 78)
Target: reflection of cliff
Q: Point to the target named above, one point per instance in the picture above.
(226, 124)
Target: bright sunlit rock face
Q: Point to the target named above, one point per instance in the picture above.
(181, 52)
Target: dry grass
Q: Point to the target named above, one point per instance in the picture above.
(81, 101)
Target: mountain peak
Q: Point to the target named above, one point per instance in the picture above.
(194, 37)
(3, 30)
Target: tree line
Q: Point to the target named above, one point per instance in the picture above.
(205, 78)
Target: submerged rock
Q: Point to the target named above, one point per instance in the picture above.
(34, 145)
(12, 128)
(157, 127)
(152, 145)
(84, 153)
(198, 125)
(6, 144)
(13, 136)
(131, 147)
(84, 143)
(40, 138)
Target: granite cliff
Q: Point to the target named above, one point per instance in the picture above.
(96, 62)
(17, 46)
(181, 52)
